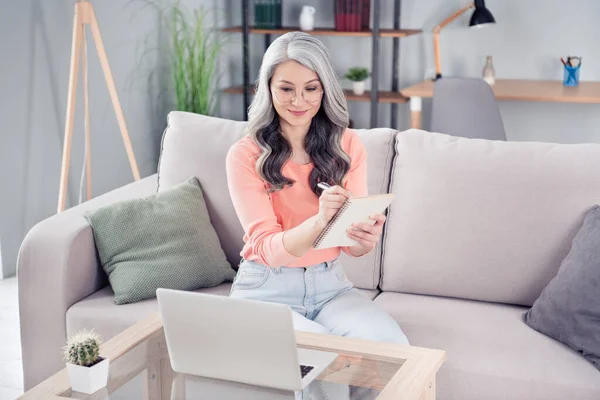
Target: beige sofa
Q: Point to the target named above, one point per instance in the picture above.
(477, 230)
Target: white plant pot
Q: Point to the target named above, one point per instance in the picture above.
(358, 87)
(88, 380)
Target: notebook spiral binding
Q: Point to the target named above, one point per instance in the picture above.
(331, 222)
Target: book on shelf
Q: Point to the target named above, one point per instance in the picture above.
(352, 15)
(366, 15)
(267, 14)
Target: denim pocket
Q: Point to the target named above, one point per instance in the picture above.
(250, 276)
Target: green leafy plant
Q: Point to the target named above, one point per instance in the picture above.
(194, 57)
(192, 48)
(82, 348)
(357, 74)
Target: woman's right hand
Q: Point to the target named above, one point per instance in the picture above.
(330, 201)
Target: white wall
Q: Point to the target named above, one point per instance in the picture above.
(35, 39)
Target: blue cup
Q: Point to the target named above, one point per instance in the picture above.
(571, 75)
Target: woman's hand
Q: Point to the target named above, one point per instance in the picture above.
(366, 235)
(330, 201)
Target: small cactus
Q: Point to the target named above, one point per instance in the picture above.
(82, 348)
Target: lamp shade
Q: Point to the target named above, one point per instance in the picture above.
(481, 15)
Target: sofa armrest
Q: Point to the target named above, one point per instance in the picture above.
(58, 266)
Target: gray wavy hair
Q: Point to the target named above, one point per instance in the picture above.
(323, 140)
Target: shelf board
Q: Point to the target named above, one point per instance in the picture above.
(384, 96)
(330, 31)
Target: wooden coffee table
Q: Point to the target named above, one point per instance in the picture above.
(140, 367)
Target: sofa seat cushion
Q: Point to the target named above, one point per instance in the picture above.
(99, 311)
(491, 353)
(370, 293)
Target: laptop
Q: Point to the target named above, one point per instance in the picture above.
(238, 340)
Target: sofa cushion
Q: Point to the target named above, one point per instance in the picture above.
(99, 312)
(568, 309)
(485, 220)
(491, 353)
(364, 272)
(196, 145)
(369, 293)
(164, 240)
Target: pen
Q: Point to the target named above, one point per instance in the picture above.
(323, 185)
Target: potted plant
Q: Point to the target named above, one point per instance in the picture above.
(193, 56)
(88, 372)
(190, 46)
(357, 75)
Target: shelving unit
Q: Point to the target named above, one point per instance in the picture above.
(394, 97)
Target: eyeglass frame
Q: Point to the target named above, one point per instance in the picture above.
(295, 96)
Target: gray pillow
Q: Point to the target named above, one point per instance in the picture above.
(162, 241)
(568, 309)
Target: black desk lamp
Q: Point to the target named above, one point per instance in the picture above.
(481, 17)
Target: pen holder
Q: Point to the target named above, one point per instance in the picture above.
(571, 75)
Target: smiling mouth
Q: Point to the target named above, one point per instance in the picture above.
(298, 112)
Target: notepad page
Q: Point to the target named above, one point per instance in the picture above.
(359, 210)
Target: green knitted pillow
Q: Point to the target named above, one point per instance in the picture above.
(162, 241)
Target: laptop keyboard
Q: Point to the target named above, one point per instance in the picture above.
(305, 369)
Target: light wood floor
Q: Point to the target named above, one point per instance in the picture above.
(11, 370)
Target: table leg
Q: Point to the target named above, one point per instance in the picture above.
(415, 112)
(166, 378)
(157, 379)
(151, 382)
(178, 389)
(429, 393)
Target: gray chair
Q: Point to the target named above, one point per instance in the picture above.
(466, 107)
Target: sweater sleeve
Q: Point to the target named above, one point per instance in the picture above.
(253, 206)
(356, 181)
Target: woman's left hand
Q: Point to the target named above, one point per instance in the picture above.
(366, 235)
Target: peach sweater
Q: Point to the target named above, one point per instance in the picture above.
(265, 216)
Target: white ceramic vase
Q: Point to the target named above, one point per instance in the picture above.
(307, 18)
(358, 87)
(88, 380)
(489, 73)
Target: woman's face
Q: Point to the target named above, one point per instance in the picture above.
(296, 93)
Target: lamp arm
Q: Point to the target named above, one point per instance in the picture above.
(451, 18)
(436, 51)
(436, 37)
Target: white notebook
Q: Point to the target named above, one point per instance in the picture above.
(356, 209)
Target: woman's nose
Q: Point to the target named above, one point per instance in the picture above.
(298, 99)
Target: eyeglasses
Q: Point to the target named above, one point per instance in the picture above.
(311, 94)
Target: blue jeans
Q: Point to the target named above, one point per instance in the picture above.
(323, 300)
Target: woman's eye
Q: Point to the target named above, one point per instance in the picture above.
(312, 89)
(286, 90)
